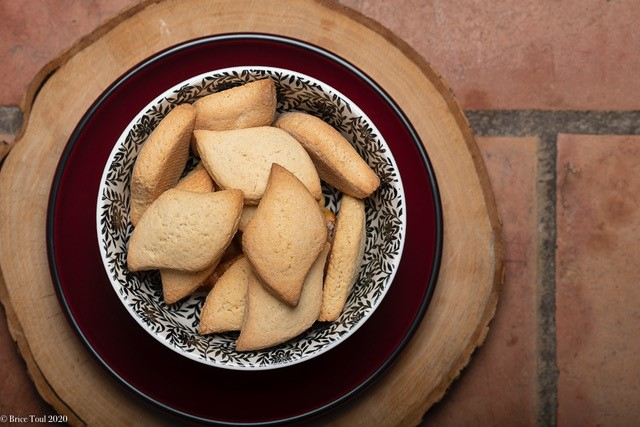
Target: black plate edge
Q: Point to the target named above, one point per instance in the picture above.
(270, 37)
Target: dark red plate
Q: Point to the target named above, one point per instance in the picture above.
(187, 388)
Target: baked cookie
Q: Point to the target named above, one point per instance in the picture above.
(285, 236)
(337, 162)
(184, 230)
(198, 180)
(224, 307)
(230, 255)
(161, 159)
(268, 321)
(247, 214)
(252, 104)
(345, 257)
(177, 284)
(242, 159)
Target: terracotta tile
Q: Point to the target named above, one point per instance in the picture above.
(574, 54)
(598, 272)
(513, 54)
(499, 385)
(34, 32)
(18, 395)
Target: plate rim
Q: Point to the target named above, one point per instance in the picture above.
(100, 202)
(429, 287)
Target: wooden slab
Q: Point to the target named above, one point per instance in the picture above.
(472, 265)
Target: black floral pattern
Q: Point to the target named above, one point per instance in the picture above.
(176, 325)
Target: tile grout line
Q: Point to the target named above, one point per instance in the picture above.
(547, 370)
(10, 119)
(547, 125)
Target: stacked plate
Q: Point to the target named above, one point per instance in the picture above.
(154, 349)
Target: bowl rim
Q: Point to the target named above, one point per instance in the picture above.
(357, 111)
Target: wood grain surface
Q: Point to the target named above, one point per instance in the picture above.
(472, 265)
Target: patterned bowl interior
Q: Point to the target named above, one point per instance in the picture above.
(176, 325)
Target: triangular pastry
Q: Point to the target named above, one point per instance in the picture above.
(285, 235)
(224, 307)
(161, 159)
(268, 321)
(198, 180)
(184, 230)
(337, 162)
(345, 257)
(177, 284)
(242, 159)
(249, 105)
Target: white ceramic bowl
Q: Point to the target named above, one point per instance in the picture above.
(176, 325)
